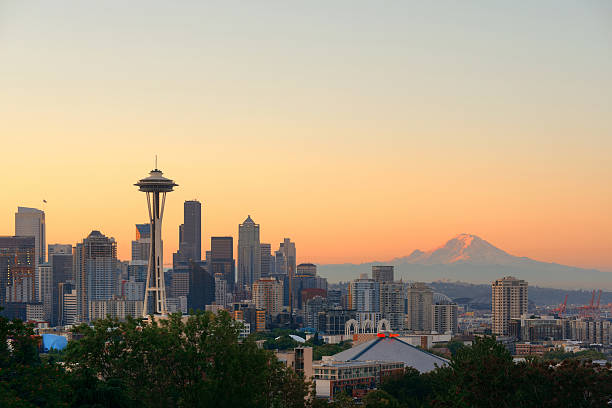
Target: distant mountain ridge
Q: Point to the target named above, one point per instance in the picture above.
(470, 258)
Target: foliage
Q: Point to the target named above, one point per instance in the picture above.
(380, 399)
(182, 363)
(484, 375)
(560, 355)
(412, 389)
(25, 380)
(329, 349)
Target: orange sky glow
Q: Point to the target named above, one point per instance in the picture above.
(361, 135)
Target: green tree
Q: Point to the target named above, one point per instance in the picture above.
(185, 362)
(412, 389)
(380, 399)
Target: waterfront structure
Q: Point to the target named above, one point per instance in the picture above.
(249, 253)
(508, 301)
(268, 295)
(156, 186)
(382, 273)
(444, 315)
(96, 277)
(419, 299)
(364, 295)
(392, 295)
(222, 259)
(30, 222)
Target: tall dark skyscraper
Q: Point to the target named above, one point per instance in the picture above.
(17, 259)
(222, 259)
(249, 253)
(190, 235)
(61, 265)
(192, 229)
(201, 288)
(267, 260)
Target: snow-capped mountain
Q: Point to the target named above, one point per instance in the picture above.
(468, 258)
(464, 248)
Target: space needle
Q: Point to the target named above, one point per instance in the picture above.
(156, 186)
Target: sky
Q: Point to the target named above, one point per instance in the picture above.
(361, 130)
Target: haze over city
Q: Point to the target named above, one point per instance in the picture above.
(363, 132)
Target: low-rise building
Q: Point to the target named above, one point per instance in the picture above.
(299, 359)
(355, 378)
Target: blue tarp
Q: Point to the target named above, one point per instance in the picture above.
(53, 341)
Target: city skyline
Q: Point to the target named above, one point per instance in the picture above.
(361, 132)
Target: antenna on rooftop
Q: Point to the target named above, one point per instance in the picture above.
(155, 162)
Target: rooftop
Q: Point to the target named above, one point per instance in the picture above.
(392, 349)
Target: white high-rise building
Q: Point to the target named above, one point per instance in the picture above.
(508, 301)
(221, 295)
(30, 222)
(444, 315)
(249, 253)
(392, 295)
(364, 295)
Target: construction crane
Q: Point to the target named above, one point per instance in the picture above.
(562, 307)
(592, 309)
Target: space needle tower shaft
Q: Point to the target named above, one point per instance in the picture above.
(156, 186)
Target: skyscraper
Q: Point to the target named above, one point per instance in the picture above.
(444, 315)
(95, 264)
(287, 248)
(382, 273)
(249, 253)
(61, 249)
(30, 222)
(142, 244)
(60, 259)
(508, 301)
(44, 289)
(268, 295)
(192, 230)
(222, 259)
(419, 298)
(364, 295)
(17, 257)
(267, 260)
(392, 295)
(201, 288)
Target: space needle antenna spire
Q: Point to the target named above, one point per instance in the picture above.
(155, 186)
